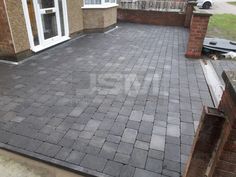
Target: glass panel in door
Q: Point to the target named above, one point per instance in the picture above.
(49, 23)
(46, 4)
(48, 20)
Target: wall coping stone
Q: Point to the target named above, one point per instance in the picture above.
(99, 6)
(201, 12)
(150, 10)
(229, 78)
(194, 3)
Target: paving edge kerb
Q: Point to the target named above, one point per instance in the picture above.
(54, 162)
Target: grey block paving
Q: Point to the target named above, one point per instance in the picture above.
(129, 135)
(113, 168)
(154, 165)
(75, 157)
(122, 103)
(144, 173)
(138, 158)
(173, 130)
(93, 162)
(158, 142)
(48, 149)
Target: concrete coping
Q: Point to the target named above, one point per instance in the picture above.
(194, 3)
(153, 10)
(229, 78)
(201, 12)
(100, 6)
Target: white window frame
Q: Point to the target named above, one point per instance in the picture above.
(42, 46)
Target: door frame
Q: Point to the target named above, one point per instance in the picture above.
(43, 44)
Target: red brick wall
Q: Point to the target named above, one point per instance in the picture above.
(226, 164)
(198, 29)
(151, 17)
(6, 43)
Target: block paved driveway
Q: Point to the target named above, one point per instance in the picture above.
(121, 104)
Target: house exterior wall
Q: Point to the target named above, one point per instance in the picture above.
(93, 18)
(110, 17)
(75, 15)
(99, 19)
(18, 25)
(6, 43)
(14, 43)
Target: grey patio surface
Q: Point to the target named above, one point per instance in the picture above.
(120, 104)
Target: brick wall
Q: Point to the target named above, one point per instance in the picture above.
(151, 17)
(226, 162)
(218, 159)
(198, 29)
(6, 43)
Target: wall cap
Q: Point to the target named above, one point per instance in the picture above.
(201, 12)
(229, 78)
(161, 11)
(194, 3)
(100, 6)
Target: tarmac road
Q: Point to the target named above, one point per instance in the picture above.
(222, 7)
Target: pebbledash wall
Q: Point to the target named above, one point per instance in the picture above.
(14, 42)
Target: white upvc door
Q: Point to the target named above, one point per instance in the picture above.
(48, 21)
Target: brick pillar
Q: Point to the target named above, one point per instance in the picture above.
(198, 29)
(226, 161)
(189, 13)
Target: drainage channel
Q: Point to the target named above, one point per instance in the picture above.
(215, 86)
(14, 165)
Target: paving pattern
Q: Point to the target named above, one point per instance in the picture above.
(119, 104)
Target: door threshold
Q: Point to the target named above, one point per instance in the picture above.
(43, 47)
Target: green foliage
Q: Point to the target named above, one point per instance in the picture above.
(232, 3)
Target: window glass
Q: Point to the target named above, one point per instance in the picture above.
(61, 17)
(46, 3)
(92, 1)
(33, 22)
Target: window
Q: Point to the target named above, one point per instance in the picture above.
(99, 2)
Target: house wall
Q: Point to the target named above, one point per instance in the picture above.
(99, 19)
(75, 15)
(110, 17)
(18, 25)
(93, 18)
(14, 43)
(6, 43)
